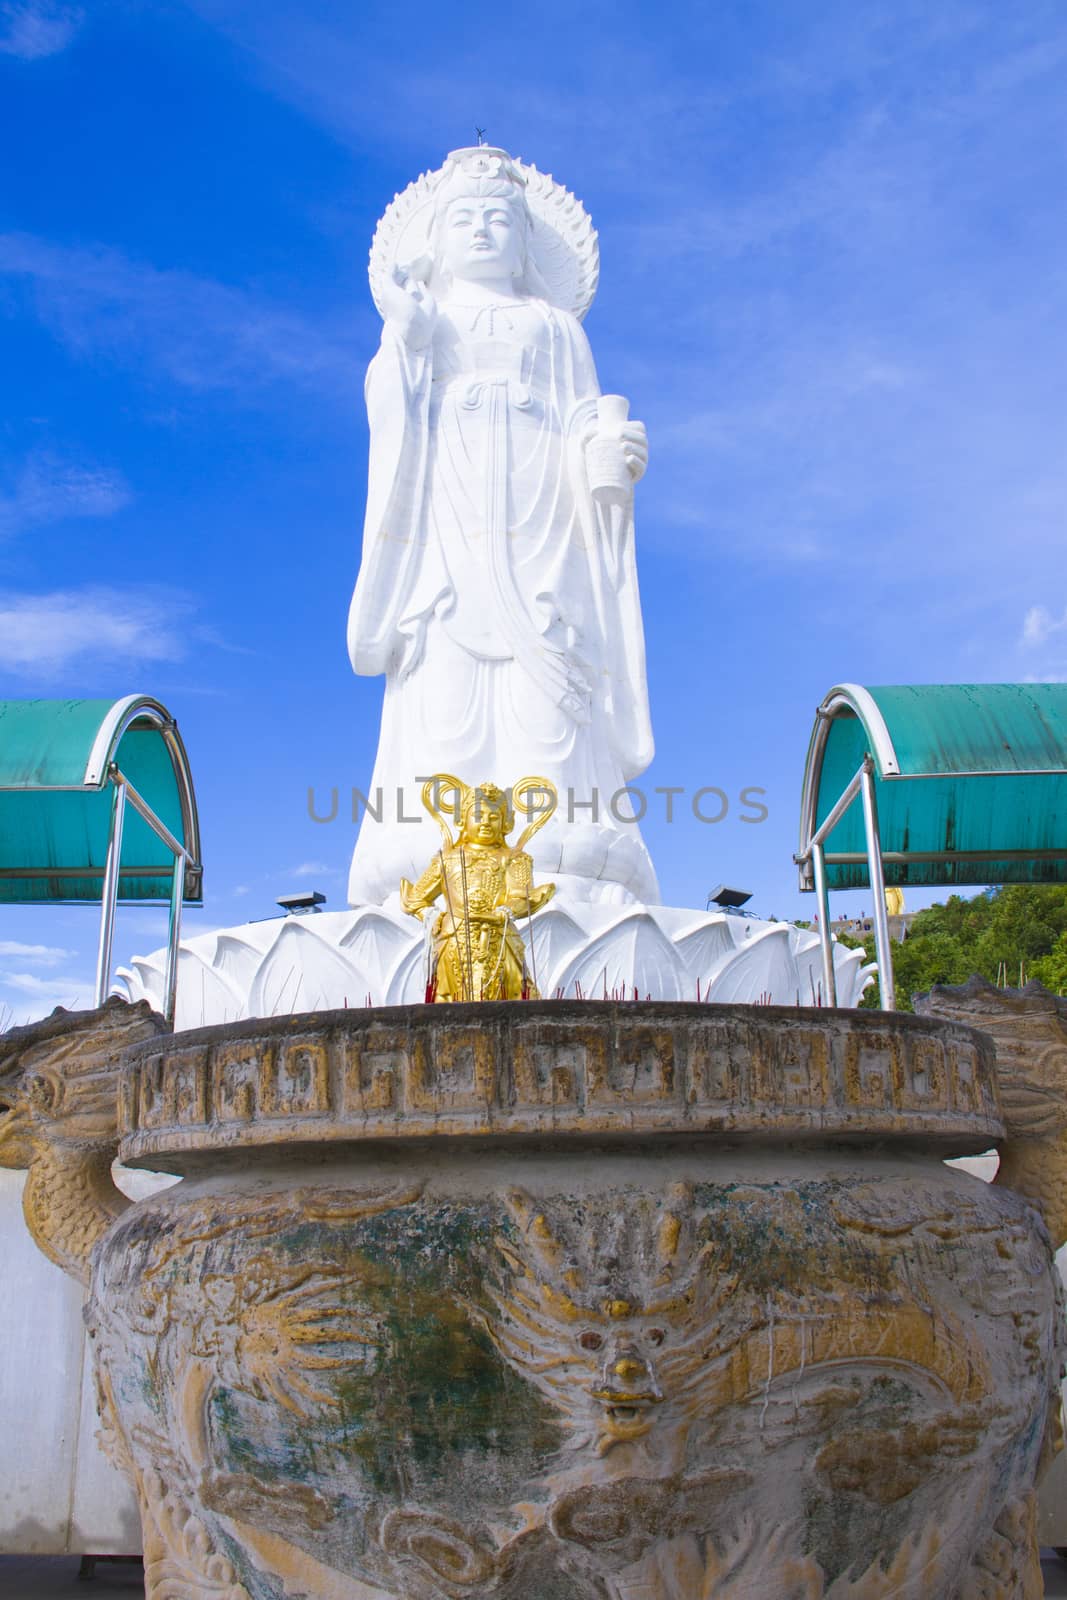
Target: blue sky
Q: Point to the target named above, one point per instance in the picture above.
(834, 284)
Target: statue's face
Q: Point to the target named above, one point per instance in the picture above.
(482, 238)
(484, 824)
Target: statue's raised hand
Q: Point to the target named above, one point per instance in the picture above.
(616, 451)
(410, 308)
(633, 437)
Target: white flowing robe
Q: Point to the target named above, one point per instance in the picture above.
(497, 599)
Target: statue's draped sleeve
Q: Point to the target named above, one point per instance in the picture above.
(612, 572)
(383, 630)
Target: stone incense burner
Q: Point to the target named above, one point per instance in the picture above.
(557, 1301)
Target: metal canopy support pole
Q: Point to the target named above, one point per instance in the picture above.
(158, 827)
(177, 889)
(822, 895)
(111, 890)
(833, 817)
(816, 854)
(174, 934)
(881, 920)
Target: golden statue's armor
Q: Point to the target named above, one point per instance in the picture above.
(487, 886)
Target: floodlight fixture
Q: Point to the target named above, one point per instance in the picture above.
(300, 905)
(728, 899)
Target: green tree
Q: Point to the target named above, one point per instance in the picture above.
(1019, 930)
(1051, 970)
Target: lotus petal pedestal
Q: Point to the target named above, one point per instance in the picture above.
(560, 1301)
(376, 955)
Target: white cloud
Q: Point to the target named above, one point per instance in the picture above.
(28, 996)
(1039, 625)
(37, 955)
(201, 333)
(313, 869)
(1043, 646)
(36, 28)
(45, 633)
(30, 983)
(48, 489)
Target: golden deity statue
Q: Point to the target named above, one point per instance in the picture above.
(477, 951)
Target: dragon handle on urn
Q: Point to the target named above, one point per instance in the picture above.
(1029, 1028)
(59, 1122)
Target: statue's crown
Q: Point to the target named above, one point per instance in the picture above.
(486, 794)
(473, 166)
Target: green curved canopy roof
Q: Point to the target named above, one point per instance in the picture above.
(57, 758)
(971, 782)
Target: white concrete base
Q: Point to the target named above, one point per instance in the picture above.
(58, 1493)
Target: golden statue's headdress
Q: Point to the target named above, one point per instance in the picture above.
(446, 796)
(490, 797)
(562, 250)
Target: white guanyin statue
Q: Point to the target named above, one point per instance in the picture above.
(498, 587)
(498, 596)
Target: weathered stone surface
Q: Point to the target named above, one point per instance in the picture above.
(661, 1372)
(562, 1302)
(572, 1069)
(543, 1301)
